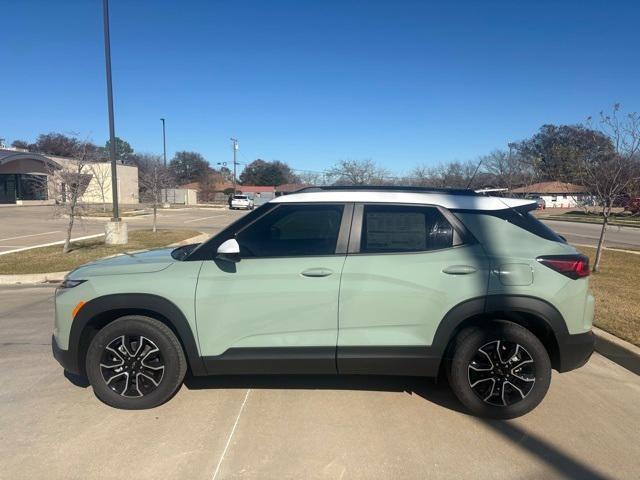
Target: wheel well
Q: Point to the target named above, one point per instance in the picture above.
(101, 320)
(535, 324)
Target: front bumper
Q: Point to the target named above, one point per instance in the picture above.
(575, 350)
(67, 358)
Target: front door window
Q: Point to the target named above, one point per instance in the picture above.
(292, 231)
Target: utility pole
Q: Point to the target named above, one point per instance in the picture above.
(234, 142)
(115, 230)
(164, 154)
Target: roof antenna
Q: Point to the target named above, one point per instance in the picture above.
(474, 174)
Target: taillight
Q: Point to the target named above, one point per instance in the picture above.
(572, 266)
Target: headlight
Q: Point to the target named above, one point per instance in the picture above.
(67, 283)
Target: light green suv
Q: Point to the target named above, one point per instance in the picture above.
(366, 281)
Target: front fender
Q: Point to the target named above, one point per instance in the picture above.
(101, 310)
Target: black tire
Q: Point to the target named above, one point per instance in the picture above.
(499, 371)
(146, 379)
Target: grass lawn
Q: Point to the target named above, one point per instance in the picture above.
(51, 259)
(617, 290)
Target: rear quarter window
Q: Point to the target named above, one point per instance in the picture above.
(521, 218)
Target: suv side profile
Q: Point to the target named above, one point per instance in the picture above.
(350, 281)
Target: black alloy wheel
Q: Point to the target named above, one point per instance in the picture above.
(132, 366)
(135, 362)
(502, 373)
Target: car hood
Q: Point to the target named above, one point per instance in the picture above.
(147, 261)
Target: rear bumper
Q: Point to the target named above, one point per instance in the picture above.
(66, 358)
(575, 351)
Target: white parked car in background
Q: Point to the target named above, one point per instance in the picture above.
(241, 201)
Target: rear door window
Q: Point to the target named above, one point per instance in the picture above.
(399, 228)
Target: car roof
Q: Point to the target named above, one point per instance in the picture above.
(451, 200)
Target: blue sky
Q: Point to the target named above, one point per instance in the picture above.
(311, 82)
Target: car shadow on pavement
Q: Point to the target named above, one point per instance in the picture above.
(427, 388)
(77, 380)
(430, 389)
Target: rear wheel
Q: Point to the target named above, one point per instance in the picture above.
(135, 362)
(502, 371)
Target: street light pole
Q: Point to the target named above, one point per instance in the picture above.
(112, 135)
(235, 150)
(164, 154)
(115, 231)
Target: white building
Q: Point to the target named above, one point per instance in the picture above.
(556, 194)
(28, 178)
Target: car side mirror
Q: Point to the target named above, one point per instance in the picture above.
(229, 250)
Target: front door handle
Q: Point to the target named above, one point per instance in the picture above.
(459, 269)
(317, 272)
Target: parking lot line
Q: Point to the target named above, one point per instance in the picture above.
(203, 218)
(32, 235)
(50, 244)
(233, 430)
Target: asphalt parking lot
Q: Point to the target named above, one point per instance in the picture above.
(29, 226)
(588, 427)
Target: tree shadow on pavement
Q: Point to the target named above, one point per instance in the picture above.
(564, 465)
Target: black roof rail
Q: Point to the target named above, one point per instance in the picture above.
(386, 188)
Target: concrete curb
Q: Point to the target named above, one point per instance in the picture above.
(57, 277)
(618, 351)
(108, 219)
(29, 278)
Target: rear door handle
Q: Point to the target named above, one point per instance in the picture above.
(459, 269)
(317, 272)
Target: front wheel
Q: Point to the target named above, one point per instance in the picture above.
(501, 371)
(135, 362)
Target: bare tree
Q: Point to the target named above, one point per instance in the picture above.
(358, 172)
(609, 172)
(210, 184)
(423, 176)
(101, 181)
(70, 181)
(507, 168)
(448, 175)
(153, 178)
(308, 177)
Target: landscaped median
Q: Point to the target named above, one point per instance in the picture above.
(45, 260)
